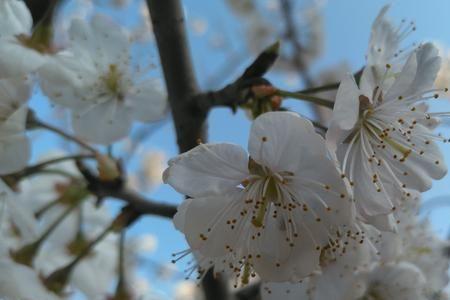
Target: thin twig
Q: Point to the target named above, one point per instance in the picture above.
(306, 97)
(34, 122)
(30, 170)
(323, 88)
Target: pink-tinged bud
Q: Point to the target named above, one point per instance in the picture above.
(261, 91)
(275, 101)
(108, 168)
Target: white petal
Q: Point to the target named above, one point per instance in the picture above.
(17, 60)
(346, 106)
(207, 169)
(384, 40)
(15, 18)
(14, 145)
(179, 220)
(100, 40)
(14, 92)
(418, 74)
(148, 101)
(279, 261)
(207, 217)
(112, 39)
(281, 141)
(67, 80)
(285, 291)
(345, 112)
(20, 282)
(20, 213)
(104, 124)
(382, 222)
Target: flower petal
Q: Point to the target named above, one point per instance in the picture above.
(281, 262)
(17, 60)
(15, 18)
(205, 223)
(208, 169)
(148, 101)
(282, 140)
(104, 123)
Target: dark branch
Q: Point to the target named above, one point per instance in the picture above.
(169, 28)
(139, 203)
(116, 189)
(291, 34)
(42, 10)
(173, 47)
(238, 92)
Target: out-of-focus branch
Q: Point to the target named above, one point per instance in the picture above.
(42, 10)
(34, 122)
(173, 47)
(170, 32)
(116, 189)
(291, 34)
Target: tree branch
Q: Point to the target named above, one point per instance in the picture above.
(170, 32)
(116, 189)
(169, 28)
(138, 202)
(292, 35)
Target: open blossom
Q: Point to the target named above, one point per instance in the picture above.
(382, 131)
(416, 243)
(19, 53)
(94, 78)
(271, 213)
(337, 279)
(402, 281)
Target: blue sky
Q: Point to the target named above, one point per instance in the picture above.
(347, 29)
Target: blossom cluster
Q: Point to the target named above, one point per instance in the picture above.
(56, 239)
(94, 77)
(333, 217)
(46, 223)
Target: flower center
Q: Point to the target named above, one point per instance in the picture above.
(112, 80)
(264, 187)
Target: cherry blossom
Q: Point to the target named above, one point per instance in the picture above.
(338, 276)
(272, 212)
(96, 80)
(381, 135)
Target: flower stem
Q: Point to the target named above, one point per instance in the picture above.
(323, 88)
(305, 97)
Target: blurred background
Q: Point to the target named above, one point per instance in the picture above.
(320, 41)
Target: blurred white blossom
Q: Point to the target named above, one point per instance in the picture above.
(95, 79)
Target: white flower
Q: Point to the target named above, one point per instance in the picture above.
(18, 53)
(41, 195)
(381, 133)
(402, 281)
(338, 277)
(271, 213)
(95, 79)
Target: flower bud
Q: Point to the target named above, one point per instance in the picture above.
(107, 168)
